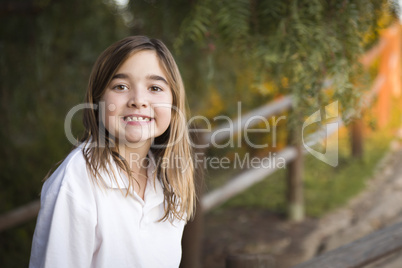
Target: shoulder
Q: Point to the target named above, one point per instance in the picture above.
(70, 176)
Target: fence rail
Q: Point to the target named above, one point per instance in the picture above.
(250, 177)
(234, 186)
(267, 110)
(19, 215)
(243, 181)
(356, 254)
(362, 252)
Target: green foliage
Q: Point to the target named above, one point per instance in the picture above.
(227, 51)
(158, 19)
(304, 41)
(162, 19)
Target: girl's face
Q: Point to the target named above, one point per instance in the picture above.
(138, 100)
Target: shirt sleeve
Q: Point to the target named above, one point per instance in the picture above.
(65, 232)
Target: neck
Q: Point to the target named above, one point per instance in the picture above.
(136, 156)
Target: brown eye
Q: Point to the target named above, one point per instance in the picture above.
(155, 89)
(120, 87)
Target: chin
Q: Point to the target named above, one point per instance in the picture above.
(136, 142)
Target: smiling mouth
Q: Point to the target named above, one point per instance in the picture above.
(136, 119)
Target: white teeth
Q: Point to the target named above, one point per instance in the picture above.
(134, 118)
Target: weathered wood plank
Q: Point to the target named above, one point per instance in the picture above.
(250, 261)
(361, 252)
(19, 215)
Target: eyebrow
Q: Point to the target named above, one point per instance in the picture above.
(149, 77)
(121, 75)
(157, 78)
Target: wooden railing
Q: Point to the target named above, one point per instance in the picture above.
(356, 254)
(360, 253)
(243, 181)
(379, 249)
(292, 155)
(235, 185)
(19, 215)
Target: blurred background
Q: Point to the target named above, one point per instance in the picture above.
(251, 51)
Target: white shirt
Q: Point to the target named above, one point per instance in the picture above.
(82, 225)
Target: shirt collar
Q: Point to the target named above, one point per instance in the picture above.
(153, 192)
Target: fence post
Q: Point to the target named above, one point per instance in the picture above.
(295, 198)
(193, 231)
(192, 241)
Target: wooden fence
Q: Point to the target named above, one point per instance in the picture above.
(234, 186)
(193, 233)
(19, 215)
(248, 178)
(366, 251)
(356, 254)
(379, 249)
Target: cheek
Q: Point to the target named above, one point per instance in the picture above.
(110, 103)
(164, 117)
(108, 112)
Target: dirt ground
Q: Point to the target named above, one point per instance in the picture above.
(253, 231)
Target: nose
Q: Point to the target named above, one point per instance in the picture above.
(137, 99)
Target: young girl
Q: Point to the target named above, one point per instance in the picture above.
(122, 197)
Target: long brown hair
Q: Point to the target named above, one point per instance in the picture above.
(172, 146)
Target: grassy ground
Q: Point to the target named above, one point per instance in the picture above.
(325, 187)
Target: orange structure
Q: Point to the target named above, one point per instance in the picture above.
(388, 81)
